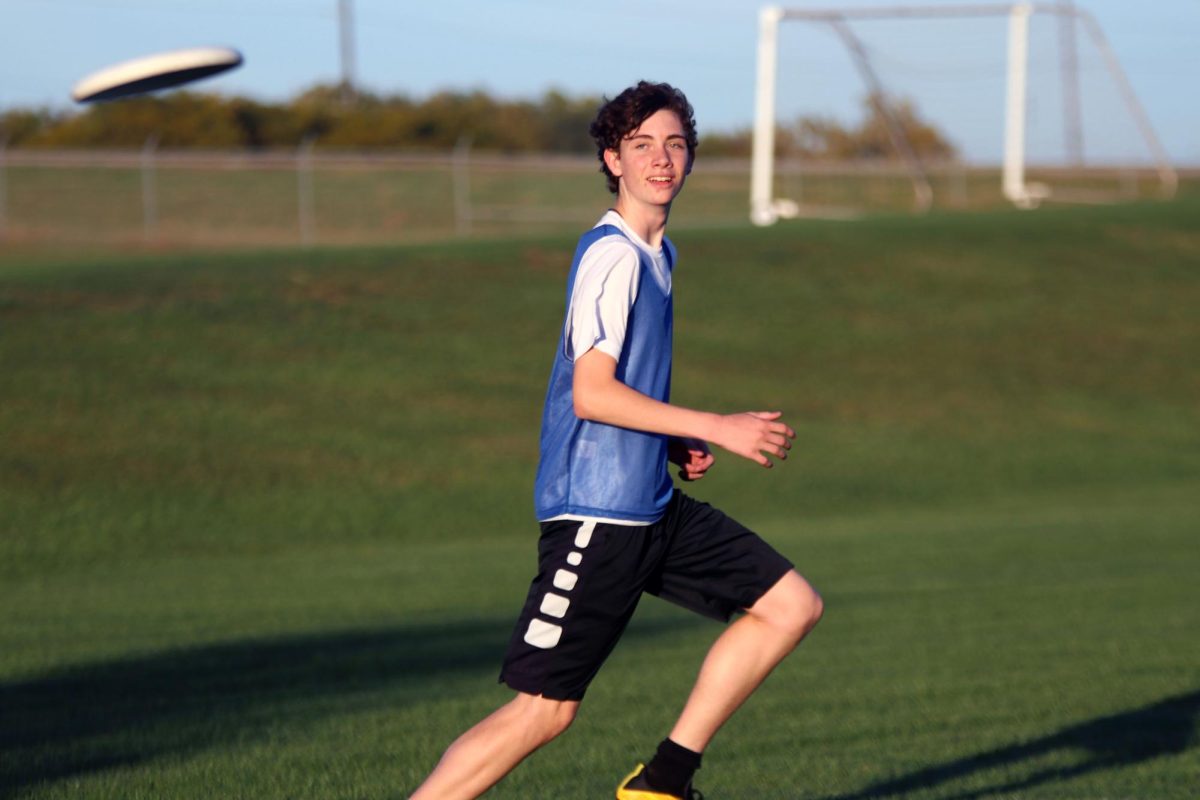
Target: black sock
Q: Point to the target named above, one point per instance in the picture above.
(672, 768)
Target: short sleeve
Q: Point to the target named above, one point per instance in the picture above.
(606, 284)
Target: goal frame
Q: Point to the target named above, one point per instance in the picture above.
(766, 209)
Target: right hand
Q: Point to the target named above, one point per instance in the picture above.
(755, 435)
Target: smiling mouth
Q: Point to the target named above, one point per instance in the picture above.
(662, 180)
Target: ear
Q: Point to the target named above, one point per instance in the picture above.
(612, 160)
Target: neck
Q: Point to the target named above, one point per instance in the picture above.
(648, 222)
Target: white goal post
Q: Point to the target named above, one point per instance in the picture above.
(766, 209)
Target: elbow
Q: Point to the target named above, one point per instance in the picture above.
(588, 398)
(584, 406)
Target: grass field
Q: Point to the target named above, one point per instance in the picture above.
(265, 517)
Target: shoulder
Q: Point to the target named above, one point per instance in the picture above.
(606, 237)
(610, 267)
(608, 250)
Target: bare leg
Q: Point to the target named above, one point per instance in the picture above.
(744, 655)
(490, 750)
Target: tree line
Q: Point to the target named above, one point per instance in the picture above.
(554, 123)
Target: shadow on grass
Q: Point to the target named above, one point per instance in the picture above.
(1164, 728)
(110, 714)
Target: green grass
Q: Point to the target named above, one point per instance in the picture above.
(265, 516)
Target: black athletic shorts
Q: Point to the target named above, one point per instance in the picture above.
(591, 576)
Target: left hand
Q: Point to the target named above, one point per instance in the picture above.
(692, 455)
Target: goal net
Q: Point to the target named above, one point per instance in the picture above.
(947, 105)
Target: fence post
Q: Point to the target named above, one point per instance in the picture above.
(462, 186)
(795, 186)
(3, 189)
(149, 189)
(304, 189)
(959, 193)
(1129, 184)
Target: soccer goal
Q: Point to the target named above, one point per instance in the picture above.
(1047, 111)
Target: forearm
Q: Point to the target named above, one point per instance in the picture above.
(600, 397)
(614, 403)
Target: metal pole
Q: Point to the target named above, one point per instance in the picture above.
(149, 190)
(908, 12)
(462, 186)
(762, 160)
(3, 188)
(304, 189)
(1129, 183)
(958, 176)
(346, 37)
(1014, 138)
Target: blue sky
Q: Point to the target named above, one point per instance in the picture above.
(521, 48)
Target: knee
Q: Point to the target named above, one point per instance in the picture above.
(544, 719)
(813, 609)
(561, 719)
(805, 611)
(794, 607)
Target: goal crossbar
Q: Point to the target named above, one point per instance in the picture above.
(924, 12)
(765, 208)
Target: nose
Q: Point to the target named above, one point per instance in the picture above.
(662, 155)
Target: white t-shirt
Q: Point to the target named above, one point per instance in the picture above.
(606, 284)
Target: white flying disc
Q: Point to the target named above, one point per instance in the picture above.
(159, 71)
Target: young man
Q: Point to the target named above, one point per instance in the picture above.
(613, 526)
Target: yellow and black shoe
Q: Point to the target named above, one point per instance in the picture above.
(634, 787)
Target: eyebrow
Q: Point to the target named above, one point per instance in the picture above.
(633, 136)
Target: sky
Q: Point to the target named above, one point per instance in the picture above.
(522, 48)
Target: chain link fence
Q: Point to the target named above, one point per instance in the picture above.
(312, 197)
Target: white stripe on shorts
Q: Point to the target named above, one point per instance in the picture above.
(584, 536)
(543, 635)
(555, 605)
(565, 579)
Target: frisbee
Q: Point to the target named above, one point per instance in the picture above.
(151, 73)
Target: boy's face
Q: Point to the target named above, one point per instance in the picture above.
(652, 161)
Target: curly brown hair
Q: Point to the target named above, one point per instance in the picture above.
(626, 112)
